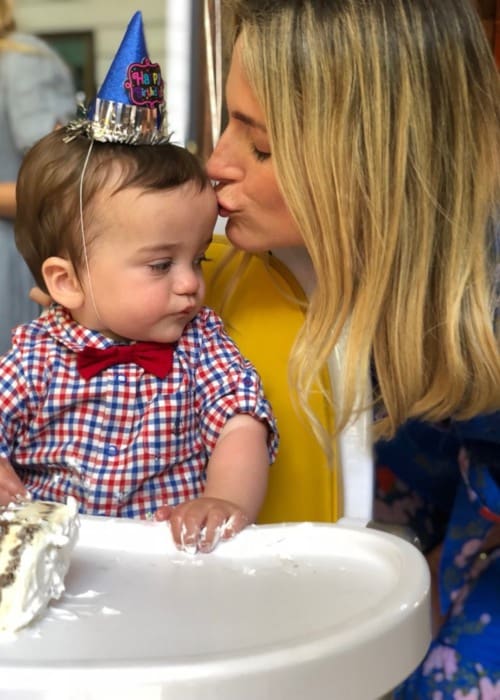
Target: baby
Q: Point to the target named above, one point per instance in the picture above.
(126, 393)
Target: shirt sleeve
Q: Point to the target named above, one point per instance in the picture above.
(480, 441)
(14, 409)
(476, 508)
(227, 384)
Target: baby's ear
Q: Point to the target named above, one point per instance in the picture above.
(62, 282)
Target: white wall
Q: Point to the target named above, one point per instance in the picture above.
(177, 75)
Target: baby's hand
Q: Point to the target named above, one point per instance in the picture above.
(197, 526)
(11, 486)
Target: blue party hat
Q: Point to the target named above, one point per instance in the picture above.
(129, 106)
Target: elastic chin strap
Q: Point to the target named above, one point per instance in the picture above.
(82, 231)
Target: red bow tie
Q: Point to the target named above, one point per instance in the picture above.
(155, 358)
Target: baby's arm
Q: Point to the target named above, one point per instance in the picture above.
(236, 484)
(11, 487)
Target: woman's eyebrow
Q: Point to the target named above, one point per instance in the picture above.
(248, 120)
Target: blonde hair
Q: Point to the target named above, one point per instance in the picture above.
(8, 27)
(383, 119)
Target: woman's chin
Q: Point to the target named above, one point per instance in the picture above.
(243, 239)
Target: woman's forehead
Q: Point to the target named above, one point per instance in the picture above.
(240, 98)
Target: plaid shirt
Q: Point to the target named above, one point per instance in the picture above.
(124, 442)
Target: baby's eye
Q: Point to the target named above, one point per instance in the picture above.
(162, 266)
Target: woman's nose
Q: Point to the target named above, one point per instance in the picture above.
(223, 164)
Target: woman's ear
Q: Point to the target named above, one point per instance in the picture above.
(62, 282)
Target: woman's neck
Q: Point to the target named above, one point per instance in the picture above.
(299, 263)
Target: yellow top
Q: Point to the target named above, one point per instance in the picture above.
(263, 314)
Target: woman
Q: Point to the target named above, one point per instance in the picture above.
(363, 148)
(36, 92)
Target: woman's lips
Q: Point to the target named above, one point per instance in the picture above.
(225, 211)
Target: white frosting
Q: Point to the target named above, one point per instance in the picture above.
(191, 544)
(41, 562)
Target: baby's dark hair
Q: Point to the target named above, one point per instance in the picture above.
(48, 189)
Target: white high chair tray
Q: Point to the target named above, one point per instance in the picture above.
(297, 611)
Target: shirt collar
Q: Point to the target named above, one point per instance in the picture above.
(65, 330)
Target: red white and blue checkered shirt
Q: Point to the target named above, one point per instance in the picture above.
(124, 442)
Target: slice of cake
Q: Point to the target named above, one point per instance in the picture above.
(36, 541)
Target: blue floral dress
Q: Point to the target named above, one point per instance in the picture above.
(444, 482)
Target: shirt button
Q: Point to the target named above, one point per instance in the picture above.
(121, 379)
(111, 450)
(247, 381)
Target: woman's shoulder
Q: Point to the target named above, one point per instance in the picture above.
(483, 429)
(22, 51)
(22, 44)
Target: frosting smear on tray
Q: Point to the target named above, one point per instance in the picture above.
(36, 541)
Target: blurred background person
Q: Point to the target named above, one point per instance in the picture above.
(36, 94)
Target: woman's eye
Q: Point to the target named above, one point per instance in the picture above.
(260, 155)
(163, 266)
(201, 259)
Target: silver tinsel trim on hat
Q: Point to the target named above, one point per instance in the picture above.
(115, 122)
